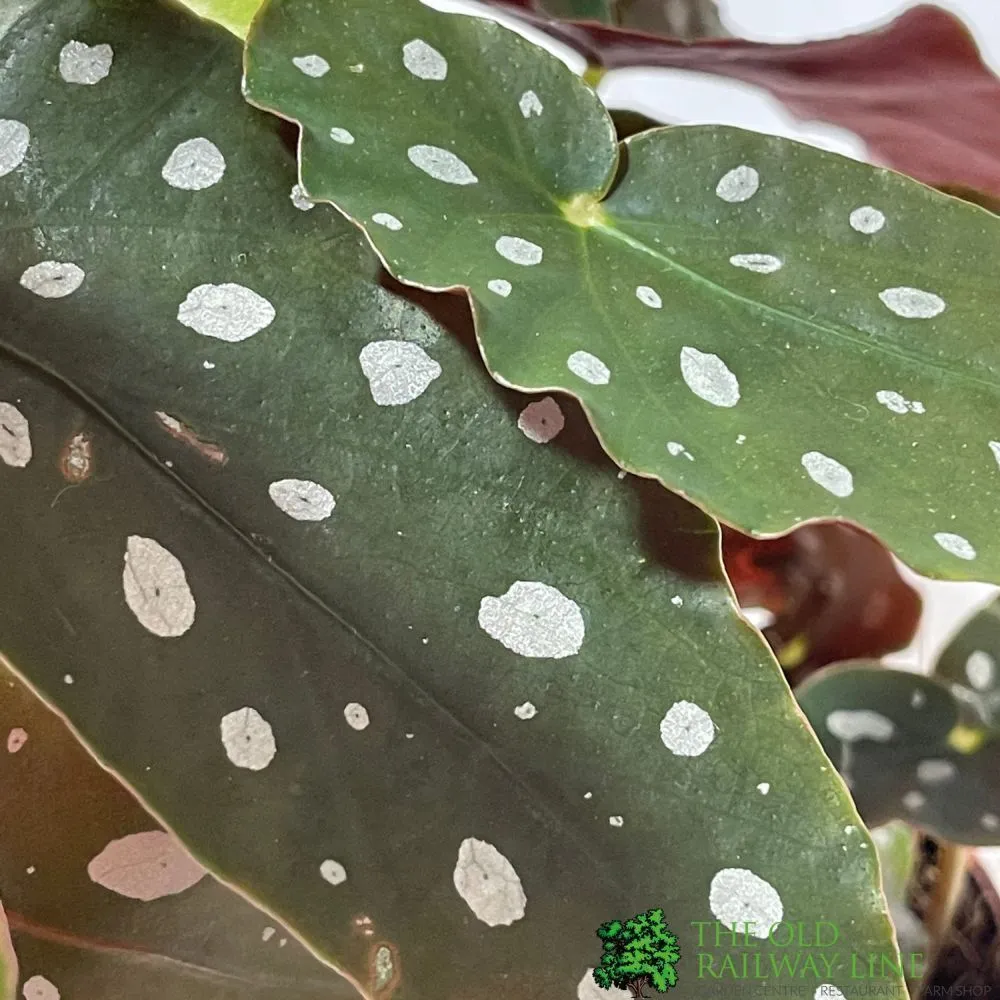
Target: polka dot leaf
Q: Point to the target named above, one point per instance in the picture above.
(409, 666)
(971, 663)
(713, 285)
(909, 747)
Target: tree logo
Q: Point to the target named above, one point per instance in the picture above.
(639, 952)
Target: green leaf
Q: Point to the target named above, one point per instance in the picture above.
(969, 664)
(908, 749)
(376, 646)
(234, 15)
(734, 310)
(77, 842)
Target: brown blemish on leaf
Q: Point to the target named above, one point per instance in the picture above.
(383, 969)
(76, 460)
(176, 429)
(16, 739)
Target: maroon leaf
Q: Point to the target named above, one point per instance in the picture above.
(917, 90)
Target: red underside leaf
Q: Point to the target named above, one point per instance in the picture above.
(916, 90)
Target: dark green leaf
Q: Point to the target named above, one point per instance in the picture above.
(375, 645)
(76, 841)
(969, 664)
(775, 331)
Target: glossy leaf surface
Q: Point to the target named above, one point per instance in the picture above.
(734, 310)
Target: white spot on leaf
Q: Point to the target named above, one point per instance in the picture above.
(424, 61)
(52, 279)
(828, 992)
(248, 739)
(764, 787)
(616, 820)
(519, 251)
(40, 988)
(441, 164)
(687, 730)
(301, 200)
(302, 499)
(980, 668)
(227, 312)
(194, 165)
(398, 371)
(533, 619)
(526, 711)
(488, 883)
(530, 104)
(867, 220)
(648, 297)
(267, 934)
(156, 589)
(933, 772)
(990, 821)
(708, 377)
(995, 448)
(828, 473)
(387, 220)
(312, 65)
(342, 136)
(897, 403)
(914, 800)
(917, 699)
(333, 872)
(744, 901)
(541, 421)
(912, 303)
(589, 367)
(85, 64)
(16, 739)
(850, 724)
(15, 436)
(145, 866)
(760, 263)
(502, 287)
(739, 184)
(356, 715)
(956, 545)
(14, 140)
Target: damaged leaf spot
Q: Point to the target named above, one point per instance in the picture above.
(145, 866)
(176, 429)
(488, 883)
(156, 588)
(76, 460)
(541, 421)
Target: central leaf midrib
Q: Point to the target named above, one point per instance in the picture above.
(618, 235)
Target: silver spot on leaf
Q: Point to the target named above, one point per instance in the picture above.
(687, 730)
(956, 545)
(519, 251)
(397, 371)
(145, 866)
(850, 724)
(764, 787)
(424, 61)
(990, 821)
(301, 200)
(488, 883)
(15, 436)
(739, 184)
(587, 989)
(760, 263)
(14, 141)
(85, 64)
(541, 421)
(828, 992)
(912, 303)
(194, 165)
(302, 499)
(248, 739)
(867, 220)
(388, 221)
(708, 377)
(980, 668)
(914, 800)
(530, 104)
(744, 901)
(342, 136)
(933, 772)
(40, 988)
(526, 711)
(648, 297)
(502, 287)
(441, 164)
(357, 716)
(897, 403)
(827, 472)
(311, 65)
(589, 367)
(227, 312)
(53, 279)
(533, 619)
(156, 588)
(333, 872)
